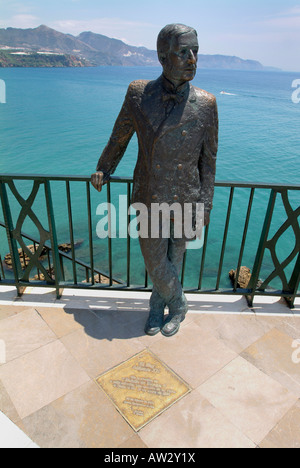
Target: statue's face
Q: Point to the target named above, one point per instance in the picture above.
(180, 63)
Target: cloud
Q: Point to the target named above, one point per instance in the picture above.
(22, 21)
(131, 32)
(96, 24)
(111, 27)
(291, 11)
(287, 20)
(21, 8)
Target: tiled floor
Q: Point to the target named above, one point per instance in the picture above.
(242, 364)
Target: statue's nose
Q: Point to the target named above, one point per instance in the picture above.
(192, 59)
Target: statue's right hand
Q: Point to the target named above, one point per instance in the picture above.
(97, 180)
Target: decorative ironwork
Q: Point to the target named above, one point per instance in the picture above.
(292, 221)
(48, 240)
(26, 211)
(288, 286)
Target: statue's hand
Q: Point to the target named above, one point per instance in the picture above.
(97, 180)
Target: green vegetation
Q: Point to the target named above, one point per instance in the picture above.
(7, 59)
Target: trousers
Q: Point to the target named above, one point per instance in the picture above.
(163, 259)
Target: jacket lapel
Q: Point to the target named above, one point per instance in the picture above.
(181, 114)
(152, 106)
(154, 109)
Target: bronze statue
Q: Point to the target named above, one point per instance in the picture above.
(177, 129)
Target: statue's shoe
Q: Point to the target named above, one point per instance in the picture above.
(154, 324)
(172, 325)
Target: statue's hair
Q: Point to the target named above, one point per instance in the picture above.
(169, 33)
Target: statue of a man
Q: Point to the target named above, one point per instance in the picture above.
(177, 129)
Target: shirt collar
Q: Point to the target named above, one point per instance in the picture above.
(170, 88)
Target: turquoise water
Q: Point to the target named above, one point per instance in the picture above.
(57, 121)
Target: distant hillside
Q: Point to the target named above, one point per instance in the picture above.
(228, 62)
(41, 39)
(116, 52)
(90, 49)
(9, 59)
(95, 49)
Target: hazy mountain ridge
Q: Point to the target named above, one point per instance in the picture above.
(11, 58)
(96, 49)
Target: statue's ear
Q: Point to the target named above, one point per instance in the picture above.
(162, 57)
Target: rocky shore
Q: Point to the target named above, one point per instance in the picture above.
(243, 279)
(65, 247)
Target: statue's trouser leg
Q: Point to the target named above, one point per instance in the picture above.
(163, 260)
(177, 248)
(156, 315)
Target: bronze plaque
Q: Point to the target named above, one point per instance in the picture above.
(142, 388)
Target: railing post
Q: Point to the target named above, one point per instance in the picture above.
(225, 237)
(128, 234)
(294, 284)
(90, 227)
(109, 234)
(243, 240)
(203, 257)
(13, 248)
(71, 230)
(261, 248)
(2, 274)
(53, 239)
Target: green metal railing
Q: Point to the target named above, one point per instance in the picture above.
(50, 262)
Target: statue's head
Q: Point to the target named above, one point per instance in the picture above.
(177, 48)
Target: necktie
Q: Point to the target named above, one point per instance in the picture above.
(177, 98)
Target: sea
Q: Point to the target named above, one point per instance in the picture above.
(56, 121)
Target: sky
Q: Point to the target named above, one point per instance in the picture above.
(263, 30)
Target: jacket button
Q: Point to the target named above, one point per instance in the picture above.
(180, 167)
(175, 197)
(184, 133)
(158, 166)
(154, 197)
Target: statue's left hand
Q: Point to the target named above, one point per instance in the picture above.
(97, 180)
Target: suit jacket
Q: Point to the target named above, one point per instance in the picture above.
(178, 142)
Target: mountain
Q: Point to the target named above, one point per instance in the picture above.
(90, 49)
(95, 49)
(117, 52)
(228, 62)
(41, 39)
(11, 58)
